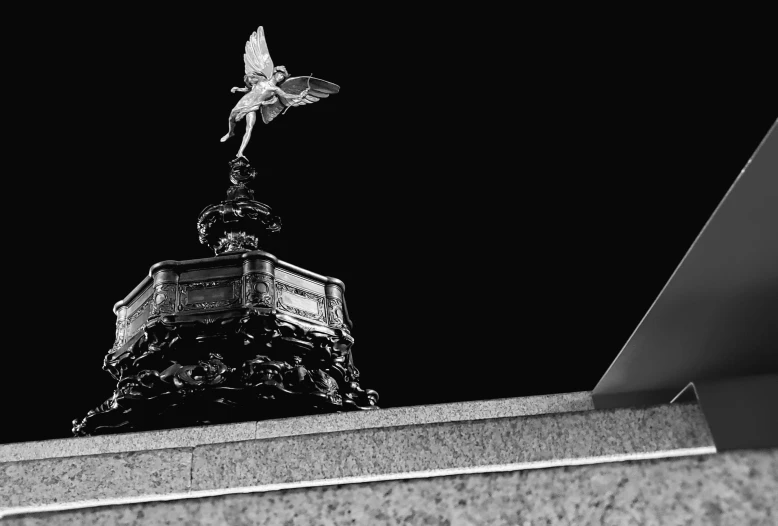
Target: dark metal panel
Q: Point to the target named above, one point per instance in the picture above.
(717, 317)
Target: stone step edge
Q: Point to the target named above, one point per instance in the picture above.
(522, 466)
(311, 424)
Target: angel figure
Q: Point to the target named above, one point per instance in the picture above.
(270, 89)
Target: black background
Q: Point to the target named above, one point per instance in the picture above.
(503, 201)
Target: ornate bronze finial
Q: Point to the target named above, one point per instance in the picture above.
(240, 223)
(241, 173)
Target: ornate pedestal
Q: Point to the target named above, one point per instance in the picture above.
(239, 336)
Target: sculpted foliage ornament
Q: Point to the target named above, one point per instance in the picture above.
(259, 289)
(266, 366)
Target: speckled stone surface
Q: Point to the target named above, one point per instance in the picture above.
(525, 442)
(169, 438)
(427, 414)
(451, 445)
(95, 476)
(189, 437)
(731, 489)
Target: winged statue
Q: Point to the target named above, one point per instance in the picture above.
(270, 90)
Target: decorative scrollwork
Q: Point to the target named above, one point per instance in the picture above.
(335, 308)
(236, 242)
(140, 311)
(240, 223)
(206, 372)
(269, 366)
(284, 302)
(241, 171)
(121, 327)
(205, 295)
(163, 300)
(258, 290)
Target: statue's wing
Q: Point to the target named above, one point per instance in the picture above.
(257, 57)
(317, 89)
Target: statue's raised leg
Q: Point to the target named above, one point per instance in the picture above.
(231, 132)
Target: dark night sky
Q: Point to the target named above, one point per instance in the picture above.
(503, 204)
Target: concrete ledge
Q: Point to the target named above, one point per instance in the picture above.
(729, 489)
(478, 444)
(195, 436)
(73, 479)
(356, 455)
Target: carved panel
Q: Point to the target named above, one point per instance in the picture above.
(335, 309)
(258, 290)
(141, 311)
(300, 302)
(121, 326)
(210, 294)
(163, 300)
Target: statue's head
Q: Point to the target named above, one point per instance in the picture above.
(280, 73)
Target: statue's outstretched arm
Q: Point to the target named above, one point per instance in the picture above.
(242, 90)
(289, 95)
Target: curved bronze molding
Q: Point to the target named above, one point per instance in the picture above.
(242, 364)
(186, 272)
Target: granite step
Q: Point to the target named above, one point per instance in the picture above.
(733, 488)
(403, 443)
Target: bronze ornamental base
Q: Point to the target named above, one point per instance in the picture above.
(226, 339)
